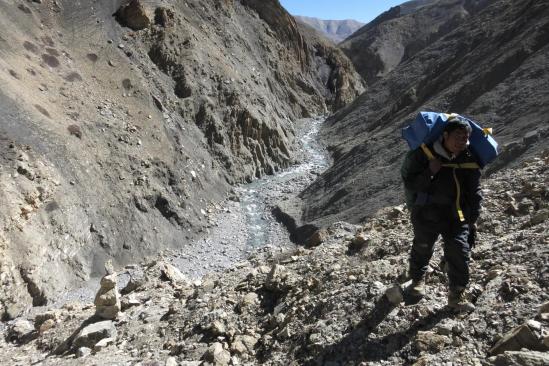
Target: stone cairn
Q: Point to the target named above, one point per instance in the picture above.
(107, 300)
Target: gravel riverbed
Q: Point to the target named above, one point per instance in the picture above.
(245, 223)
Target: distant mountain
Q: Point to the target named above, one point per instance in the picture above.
(336, 30)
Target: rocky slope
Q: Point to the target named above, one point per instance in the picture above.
(336, 302)
(124, 123)
(336, 30)
(398, 34)
(491, 68)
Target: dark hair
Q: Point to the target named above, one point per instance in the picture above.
(457, 123)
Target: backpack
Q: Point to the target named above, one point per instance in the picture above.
(428, 127)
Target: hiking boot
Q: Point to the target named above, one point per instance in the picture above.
(416, 288)
(457, 300)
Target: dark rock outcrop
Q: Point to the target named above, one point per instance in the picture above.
(398, 34)
(133, 15)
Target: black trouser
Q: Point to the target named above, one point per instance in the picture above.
(429, 222)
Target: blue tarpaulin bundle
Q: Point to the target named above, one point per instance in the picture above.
(428, 127)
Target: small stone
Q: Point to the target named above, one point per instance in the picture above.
(524, 357)
(430, 342)
(105, 342)
(249, 299)
(172, 274)
(543, 311)
(318, 237)
(46, 325)
(243, 344)
(458, 329)
(493, 274)
(42, 318)
(133, 15)
(128, 302)
(109, 269)
(83, 352)
(218, 328)
(217, 355)
(444, 329)
(394, 295)
(285, 333)
(12, 311)
(171, 361)
(359, 241)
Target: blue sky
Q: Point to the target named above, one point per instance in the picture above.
(361, 10)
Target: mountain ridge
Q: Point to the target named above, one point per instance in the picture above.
(335, 30)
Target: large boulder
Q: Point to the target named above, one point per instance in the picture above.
(133, 15)
(522, 358)
(93, 333)
(518, 338)
(20, 331)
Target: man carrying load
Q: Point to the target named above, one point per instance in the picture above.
(442, 183)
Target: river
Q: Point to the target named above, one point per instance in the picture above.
(246, 223)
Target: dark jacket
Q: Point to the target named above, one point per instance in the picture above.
(424, 189)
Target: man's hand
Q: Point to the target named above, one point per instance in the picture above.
(434, 166)
(472, 238)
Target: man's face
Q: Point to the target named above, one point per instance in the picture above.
(456, 141)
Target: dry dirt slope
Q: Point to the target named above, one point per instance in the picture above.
(119, 135)
(492, 68)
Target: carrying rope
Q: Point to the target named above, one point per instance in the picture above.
(454, 166)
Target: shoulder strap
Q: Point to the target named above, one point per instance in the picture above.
(454, 166)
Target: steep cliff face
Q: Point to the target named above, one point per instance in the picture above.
(332, 69)
(125, 122)
(401, 32)
(491, 68)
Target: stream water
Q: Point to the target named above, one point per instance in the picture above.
(246, 224)
(257, 197)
